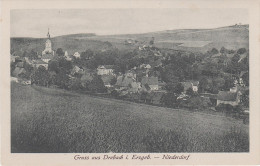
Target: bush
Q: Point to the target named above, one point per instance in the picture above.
(196, 102)
(241, 51)
(224, 107)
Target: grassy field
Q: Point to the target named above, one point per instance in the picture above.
(45, 120)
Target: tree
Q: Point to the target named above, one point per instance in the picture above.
(214, 51)
(88, 54)
(114, 93)
(12, 67)
(64, 65)
(33, 55)
(74, 84)
(241, 51)
(229, 83)
(245, 78)
(113, 81)
(204, 85)
(151, 41)
(176, 88)
(169, 100)
(210, 70)
(97, 85)
(28, 71)
(245, 98)
(224, 108)
(190, 92)
(85, 80)
(25, 54)
(62, 79)
(218, 83)
(172, 74)
(53, 66)
(60, 52)
(223, 50)
(196, 102)
(40, 77)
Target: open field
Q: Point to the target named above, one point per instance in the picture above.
(46, 120)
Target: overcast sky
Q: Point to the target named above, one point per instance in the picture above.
(35, 23)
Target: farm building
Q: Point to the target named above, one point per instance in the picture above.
(231, 98)
(105, 70)
(152, 82)
(123, 81)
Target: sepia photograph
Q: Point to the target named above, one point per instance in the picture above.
(129, 80)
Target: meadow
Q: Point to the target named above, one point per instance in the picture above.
(56, 121)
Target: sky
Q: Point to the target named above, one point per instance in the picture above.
(35, 22)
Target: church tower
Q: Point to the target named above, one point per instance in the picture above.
(47, 53)
(48, 48)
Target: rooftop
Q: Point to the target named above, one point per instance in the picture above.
(227, 96)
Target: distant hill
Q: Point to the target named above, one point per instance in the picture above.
(231, 37)
(199, 40)
(71, 43)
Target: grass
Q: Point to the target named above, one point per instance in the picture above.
(50, 121)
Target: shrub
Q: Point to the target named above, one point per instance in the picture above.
(224, 107)
(241, 51)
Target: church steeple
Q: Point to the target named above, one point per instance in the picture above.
(48, 34)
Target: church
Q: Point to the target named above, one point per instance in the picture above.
(47, 53)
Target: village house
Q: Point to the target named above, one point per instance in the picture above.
(17, 71)
(225, 97)
(124, 82)
(67, 56)
(152, 82)
(131, 73)
(26, 82)
(195, 86)
(107, 80)
(135, 87)
(27, 60)
(37, 63)
(14, 79)
(77, 69)
(76, 55)
(190, 84)
(13, 58)
(105, 70)
(145, 66)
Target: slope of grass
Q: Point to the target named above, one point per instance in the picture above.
(44, 120)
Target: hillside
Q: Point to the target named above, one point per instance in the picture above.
(199, 40)
(231, 37)
(52, 120)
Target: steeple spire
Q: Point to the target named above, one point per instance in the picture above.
(48, 34)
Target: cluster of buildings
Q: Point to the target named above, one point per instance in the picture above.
(132, 81)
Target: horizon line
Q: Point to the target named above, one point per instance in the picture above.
(95, 34)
